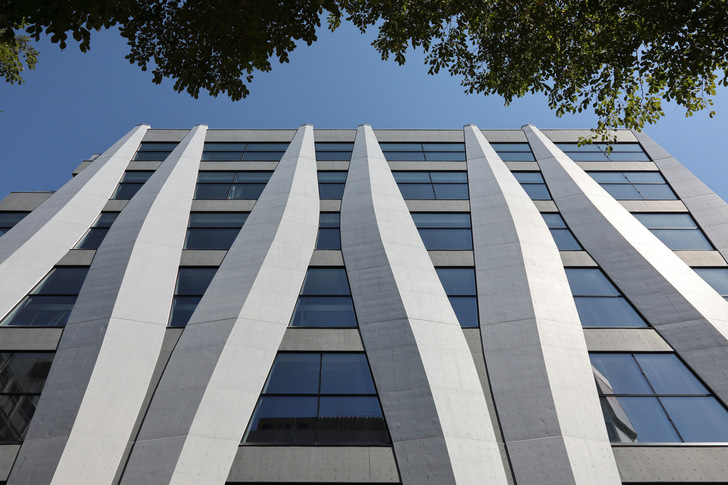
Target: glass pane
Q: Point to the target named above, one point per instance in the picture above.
(618, 374)
(329, 219)
(218, 219)
(331, 191)
(294, 374)
(224, 147)
(466, 309)
(590, 147)
(136, 177)
(9, 219)
(457, 281)
(19, 410)
(212, 191)
(622, 147)
(346, 374)
(126, 191)
(589, 281)
(609, 177)
(565, 241)
(332, 177)
(24, 372)
(516, 157)
(537, 191)
(683, 239)
(253, 177)
(326, 281)
(645, 177)
(425, 220)
(444, 156)
(333, 156)
(666, 221)
(449, 177)
(529, 177)
(404, 156)
(334, 147)
(41, 311)
(623, 192)
(328, 238)
(267, 147)
(401, 147)
(451, 191)
(324, 311)
(246, 191)
(150, 156)
(628, 157)
(106, 219)
(62, 281)
(607, 312)
(447, 239)
(417, 191)
(698, 419)
(215, 177)
(157, 146)
(656, 192)
(637, 420)
(93, 238)
(715, 277)
(231, 155)
(282, 419)
(182, 309)
(351, 420)
(210, 238)
(443, 147)
(511, 147)
(588, 156)
(554, 221)
(194, 281)
(412, 177)
(668, 375)
(250, 156)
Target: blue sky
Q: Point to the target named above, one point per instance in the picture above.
(77, 104)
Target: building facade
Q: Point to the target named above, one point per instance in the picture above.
(366, 306)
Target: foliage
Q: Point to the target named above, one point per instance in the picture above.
(619, 58)
(16, 56)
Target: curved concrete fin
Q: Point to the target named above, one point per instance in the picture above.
(420, 360)
(683, 308)
(30, 249)
(533, 343)
(109, 348)
(211, 384)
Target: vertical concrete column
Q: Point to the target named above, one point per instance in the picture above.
(706, 207)
(681, 306)
(211, 384)
(109, 348)
(422, 366)
(35, 244)
(534, 346)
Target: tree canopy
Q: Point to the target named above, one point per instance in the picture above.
(620, 58)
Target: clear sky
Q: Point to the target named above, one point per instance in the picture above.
(77, 104)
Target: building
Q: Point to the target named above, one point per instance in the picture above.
(366, 306)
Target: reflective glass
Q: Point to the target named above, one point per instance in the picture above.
(219, 155)
(609, 177)
(346, 374)
(435, 156)
(182, 309)
(406, 147)
(62, 281)
(451, 191)
(331, 191)
(351, 419)
(212, 191)
(447, 239)
(329, 219)
(516, 156)
(404, 156)
(645, 177)
(622, 147)
(333, 156)
(19, 410)
(443, 147)
(324, 311)
(417, 191)
(666, 220)
(698, 419)
(449, 177)
(216, 177)
(656, 192)
(529, 177)
(645, 422)
(332, 177)
(424, 220)
(589, 147)
(466, 309)
(294, 373)
(668, 375)
(565, 241)
(283, 419)
(92, 239)
(150, 156)
(126, 191)
(628, 157)
(246, 191)
(194, 281)
(457, 281)
(9, 219)
(334, 147)
(253, 177)
(715, 277)
(218, 219)
(537, 191)
(136, 177)
(24, 372)
(412, 177)
(149, 146)
(267, 147)
(589, 281)
(683, 239)
(41, 311)
(328, 238)
(554, 220)
(620, 373)
(326, 281)
(106, 219)
(588, 156)
(623, 192)
(224, 147)
(595, 311)
(211, 238)
(511, 147)
(262, 156)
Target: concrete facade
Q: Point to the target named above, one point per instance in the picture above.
(510, 399)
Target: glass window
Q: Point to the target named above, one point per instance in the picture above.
(318, 399)
(154, 151)
(231, 185)
(534, 185)
(191, 285)
(459, 285)
(331, 185)
(596, 152)
(514, 152)
(634, 185)
(130, 184)
(49, 304)
(678, 231)
(334, 151)
(22, 377)
(96, 234)
(444, 231)
(599, 302)
(715, 277)
(214, 230)
(454, 152)
(565, 240)
(9, 219)
(655, 398)
(433, 185)
(329, 236)
(224, 151)
(325, 300)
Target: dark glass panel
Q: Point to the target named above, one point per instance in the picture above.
(267, 147)
(621, 147)
(417, 191)
(443, 147)
(466, 309)
(224, 147)
(62, 281)
(595, 311)
(445, 156)
(537, 191)
(447, 239)
(329, 219)
(656, 192)
(511, 147)
(331, 191)
(153, 146)
(609, 177)
(412, 177)
(424, 220)
(93, 238)
(698, 419)
(332, 177)
(294, 373)
(619, 374)
(529, 177)
(637, 420)
(623, 192)
(9, 219)
(17, 411)
(668, 375)
(328, 238)
(253, 177)
(218, 219)
(246, 191)
(324, 311)
(283, 419)
(351, 419)
(401, 147)
(451, 191)
(457, 281)
(126, 191)
(262, 156)
(683, 239)
(589, 282)
(326, 281)
(211, 238)
(333, 156)
(554, 220)
(212, 191)
(41, 311)
(151, 156)
(449, 177)
(346, 374)
(182, 309)
(334, 147)
(216, 177)
(645, 177)
(404, 156)
(24, 372)
(565, 241)
(666, 220)
(224, 156)
(106, 219)
(136, 177)
(715, 277)
(194, 281)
